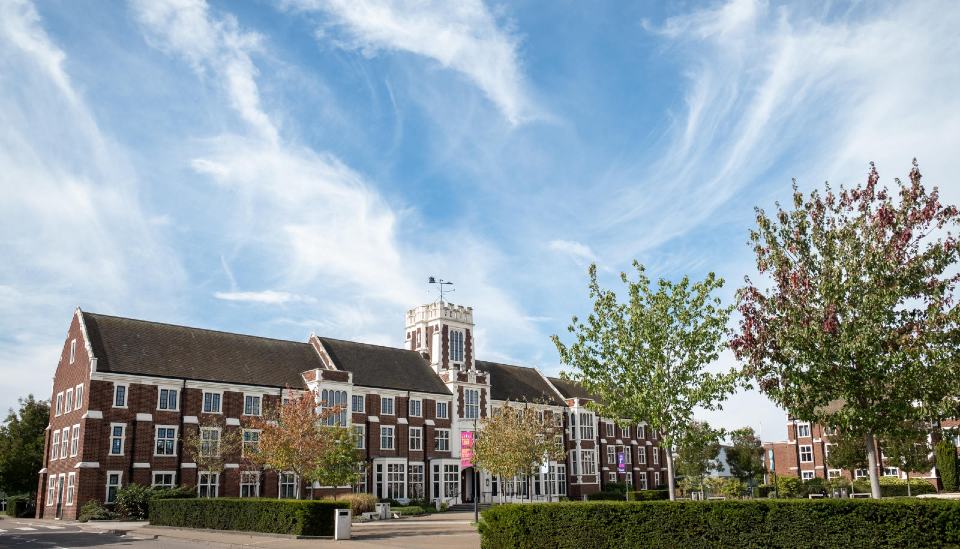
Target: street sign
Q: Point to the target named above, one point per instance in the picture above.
(621, 462)
(466, 449)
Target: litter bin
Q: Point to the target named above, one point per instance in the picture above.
(383, 511)
(341, 523)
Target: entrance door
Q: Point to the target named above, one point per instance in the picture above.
(468, 485)
(60, 497)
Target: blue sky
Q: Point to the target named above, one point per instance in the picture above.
(282, 168)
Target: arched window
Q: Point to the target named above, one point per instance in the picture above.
(330, 399)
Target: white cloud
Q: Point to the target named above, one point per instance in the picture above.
(270, 297)
(463, 36)
(581, 253)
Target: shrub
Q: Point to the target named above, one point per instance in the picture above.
(606, 496)
(946, 455)
(895, 487)
(19, 506)
(180, 492)
(409, 510)
(277, 516)
(360, 503)
(764, 490)
(788, 487)
(814, 485)
(747, 523)
(133, 501)
(648, 495)
(94, 510)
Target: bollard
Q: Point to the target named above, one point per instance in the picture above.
(341, 523)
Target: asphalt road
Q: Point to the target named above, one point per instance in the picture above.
(29, 533)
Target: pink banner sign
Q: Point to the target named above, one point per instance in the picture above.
(466, 449)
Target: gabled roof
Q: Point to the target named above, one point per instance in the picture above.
(125, 345)
(518, 384)
(571, 389)
(384, 367)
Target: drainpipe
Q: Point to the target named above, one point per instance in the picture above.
(181, 400)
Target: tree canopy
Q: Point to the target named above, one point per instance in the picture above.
(855, 323)
(646, 359)
(21, 445)
(697, 451)
(745, 455)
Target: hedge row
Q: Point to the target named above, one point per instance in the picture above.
(756, 523)
(648, 495)
(276, 516)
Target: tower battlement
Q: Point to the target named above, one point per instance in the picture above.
(440, 310)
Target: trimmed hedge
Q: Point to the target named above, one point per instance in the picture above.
(18, 506)
(648, 495)
(275, 516)
(757, 523)
(894, 487)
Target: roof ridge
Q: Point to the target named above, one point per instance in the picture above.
(211, 330)
(367, 344)
(509, 365)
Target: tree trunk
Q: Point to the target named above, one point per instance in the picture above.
(908, 484)
(670, 489)
(872, 463)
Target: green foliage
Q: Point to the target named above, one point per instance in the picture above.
(94, 510)
(411, 510)
(788, 487)
(648, 495)
(895, 487)
(277, 516)
(360, 503)
(19, 506)
(855, 324)
(339, 464)
(21, 445)
(133, 501)
(732, 488)
(745, 455)
(697, 449)
(947, 465)
(646, 359)
(815, 485)
(747, 523)
(848, 451)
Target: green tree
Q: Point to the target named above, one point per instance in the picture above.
(909, 450)
(745, 455)
(855, 325)
(946, 455)
(847, 451)
(339, 463)
(21, 445)
(697, 450)
(646, 359)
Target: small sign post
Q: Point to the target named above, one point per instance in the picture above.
(621, 462)
(466, 449)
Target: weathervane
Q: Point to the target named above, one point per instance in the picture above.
(440, 284)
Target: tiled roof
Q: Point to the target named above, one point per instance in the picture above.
(518, 384)
(384, 367)
(570, 389)
(129, 346)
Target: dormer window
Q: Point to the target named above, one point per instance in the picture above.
(456, 346)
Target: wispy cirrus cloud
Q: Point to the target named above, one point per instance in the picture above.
(269, 297)
(579, 252)
(463, 36)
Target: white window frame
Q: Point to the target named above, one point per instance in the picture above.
(627, 454)
(75, 440)
(126, 395)
(834, 473)
(803, 428)
(418, 407)
(51, 489)
(361, 442)
(437, 439)
(212, 483)
(611, 454)
(418, 439)
(655, 454)
(891, 472)
(73, 350)
(393, 405)
(59, 408)
(55, 445)
(806, 475)
(254, 397)
(122, 437)
(68, 401)
(443, 405)
(156, 439)
(173, 479)
(176, 407)
(78, 392)
(609, 428)
(118, 485)
(244, 443)
(641, 455)
(245, 482)
(457, 346)
(591, 462)
(362, 399)
(809, 450)
(280, 483)
(203, 402)
(641, 432)
(393, 436)
(209, 440)
(643, 481)
(64, 442)
(656, 479)
(861, 473)
(471, 410)
(625, 432)
(586, 421)
(71, 488)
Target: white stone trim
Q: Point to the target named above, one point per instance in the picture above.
(86, 341)
(401, 421)
(231, 466)
(233, 421)
(141, 465)
(87, 465)
(188, 465)
(429, 422)
(190, 384)
(144, 417)
(191, 419)
(373, 419)
(42, 471)
(92, 414)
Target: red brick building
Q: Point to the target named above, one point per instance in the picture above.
(127, 392)
(804, 455)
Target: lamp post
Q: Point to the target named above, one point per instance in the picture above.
(476, 479)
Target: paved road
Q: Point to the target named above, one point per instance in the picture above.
(437, 531)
